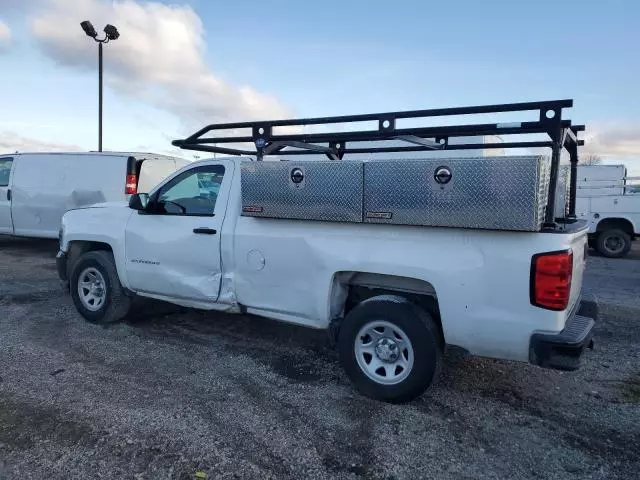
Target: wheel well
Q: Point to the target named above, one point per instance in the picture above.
(615, 223)
(351, 288)
(79, 248)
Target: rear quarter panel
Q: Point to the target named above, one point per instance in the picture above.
(481, 278)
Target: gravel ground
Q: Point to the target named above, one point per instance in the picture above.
(172, 392)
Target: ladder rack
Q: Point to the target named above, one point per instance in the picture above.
(286, 137)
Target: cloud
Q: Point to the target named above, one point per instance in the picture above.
(13, 6)
(613, 141)
(17, 5)
(5, 37)
(159, 58)
(11, 142)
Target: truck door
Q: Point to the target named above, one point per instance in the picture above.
(6, 225)
(174, 248)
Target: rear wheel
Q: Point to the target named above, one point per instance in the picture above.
(390, 348)
(613, 243)
(96, 289)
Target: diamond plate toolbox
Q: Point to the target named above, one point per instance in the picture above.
(308, 190)
(562, 191)
(501, 193)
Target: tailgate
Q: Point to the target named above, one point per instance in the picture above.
(578, 244)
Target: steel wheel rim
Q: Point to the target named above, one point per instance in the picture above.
(384, 352)
(614, 244)
(92, 289)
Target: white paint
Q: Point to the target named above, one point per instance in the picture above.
(597, 180)
(165, 257)
(255, 260)
(98, 223)
(625, 207)
(220, 307)
(600, 192)
(6, 224)
(481, 277)
(45, 185)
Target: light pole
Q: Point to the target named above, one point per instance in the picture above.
(110, 33)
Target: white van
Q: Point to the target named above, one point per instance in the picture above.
(36, 189)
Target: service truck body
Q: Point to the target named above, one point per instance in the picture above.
(607, 199)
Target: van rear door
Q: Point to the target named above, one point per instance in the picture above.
(150, 171)
(6, 225)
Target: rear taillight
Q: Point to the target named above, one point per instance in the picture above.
(131, 185)
(551, 279)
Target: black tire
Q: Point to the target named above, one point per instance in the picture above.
(616, 236)
(422, 332)
(116, 303)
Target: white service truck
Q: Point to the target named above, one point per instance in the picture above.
(375, 252)
(607, 198)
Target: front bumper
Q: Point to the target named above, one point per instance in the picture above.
(563, 350)
(61, 265)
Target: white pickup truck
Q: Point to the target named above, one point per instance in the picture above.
(392, 296)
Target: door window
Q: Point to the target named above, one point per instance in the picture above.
(5, 171)
(191, 193)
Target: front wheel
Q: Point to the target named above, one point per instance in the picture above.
(613, 243)
(96, 289)
(390, 348)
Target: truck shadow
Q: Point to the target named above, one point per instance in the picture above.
(298, 353)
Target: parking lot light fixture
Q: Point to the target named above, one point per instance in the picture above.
(87, 26)
(110, 33)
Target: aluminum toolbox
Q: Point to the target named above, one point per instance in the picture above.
(308, 190)
(562, 191)
(503, 193)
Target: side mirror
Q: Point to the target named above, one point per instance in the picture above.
(139, 201)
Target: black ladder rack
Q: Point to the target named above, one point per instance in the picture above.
(562, 134)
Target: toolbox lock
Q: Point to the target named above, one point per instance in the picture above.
(442, 175)
(297, 176)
